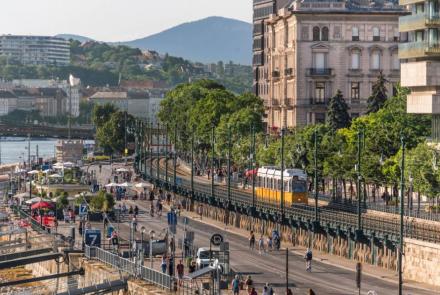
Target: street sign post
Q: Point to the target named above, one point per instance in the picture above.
(83, 209)
(216, 239)
(358, 276)
(92, 237)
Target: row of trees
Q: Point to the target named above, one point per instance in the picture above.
(194, 109)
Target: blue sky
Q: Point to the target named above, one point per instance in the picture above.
(111, 20)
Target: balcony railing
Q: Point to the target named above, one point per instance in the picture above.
(419, 49)
(418, 21)
(320, 72)
(288, 72)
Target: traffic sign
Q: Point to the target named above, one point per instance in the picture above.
(92, 237)
(83, 209)
(216, 239)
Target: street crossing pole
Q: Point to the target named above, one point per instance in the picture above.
(150, 144)
(402, 208)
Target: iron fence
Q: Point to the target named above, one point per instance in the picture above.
(133, 268)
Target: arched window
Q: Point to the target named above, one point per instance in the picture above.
(376, 34)
(324, 35)
(395, 60)
(355, 34)
(375, 60)
(355, 59)
(316, 33)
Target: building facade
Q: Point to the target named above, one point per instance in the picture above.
(35, 50)
(141, 104)
(420, 57)
(312, 49)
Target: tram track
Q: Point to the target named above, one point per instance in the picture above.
(387, 226)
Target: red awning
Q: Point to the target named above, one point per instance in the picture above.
(41, 205)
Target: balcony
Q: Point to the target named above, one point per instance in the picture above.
(418, 21)
(317, 72)
(419, 49)
(276, 74)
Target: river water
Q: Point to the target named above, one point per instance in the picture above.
(14, 149)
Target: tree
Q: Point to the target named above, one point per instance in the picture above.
(379, 94)
(102, 113)
(337, 112)
(103, 202)
(111, 135)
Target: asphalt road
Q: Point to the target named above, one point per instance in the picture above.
(324, 278)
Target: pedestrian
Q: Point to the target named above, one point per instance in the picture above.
(269, 243)
(236, 285)
(252, 241)
(171, 266)
(159, 208)
(308, 257)
(253, 291)
(180, 272)
(209, 172)
(265, 290)
(249, 283)
(261, 245)
(136, 210)
(289, 292)
(124, 208)
(134, 223)
(151, 209)
(168, 198)
(130, 211)
(269, 289)
(114, 241)
(192, 267)
(163, 265)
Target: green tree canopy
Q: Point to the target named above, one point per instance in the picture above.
(379, 94)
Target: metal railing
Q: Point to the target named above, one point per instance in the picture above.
(125, 265)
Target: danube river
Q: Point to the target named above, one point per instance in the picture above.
(14, 149)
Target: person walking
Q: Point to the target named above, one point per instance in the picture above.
(252, 241)
(180, 272)
(236, 285)
(269, 243)
(163, 264)
(261, 245)
(134, 223)
(249, 284)
(308, 257)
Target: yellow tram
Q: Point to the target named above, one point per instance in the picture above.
(268, 185)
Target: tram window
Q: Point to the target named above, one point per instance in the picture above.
(299, 187)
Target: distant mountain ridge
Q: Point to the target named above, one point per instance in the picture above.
(207, 40)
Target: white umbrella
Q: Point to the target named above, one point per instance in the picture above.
(122, 170)
(67, 164)
(35, 200)
(47, 171)
(55, 176)
(20, 171)
(125, 184)
(111, 184)
(32, 172)
(143, 185)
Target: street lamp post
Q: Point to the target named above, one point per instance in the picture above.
(157, 151)
(410, 195)
(229, 167)
(142, 245)
(192, 164)
(151, 248)
(358, 170)
(175, 158)
(166, 156)
(316, 174)
(402, 208)
(253, 159)
(212, 159)
(282, 171)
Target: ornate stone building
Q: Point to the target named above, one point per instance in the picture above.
(314, 48)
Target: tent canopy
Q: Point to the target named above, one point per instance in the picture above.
(41, 205)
